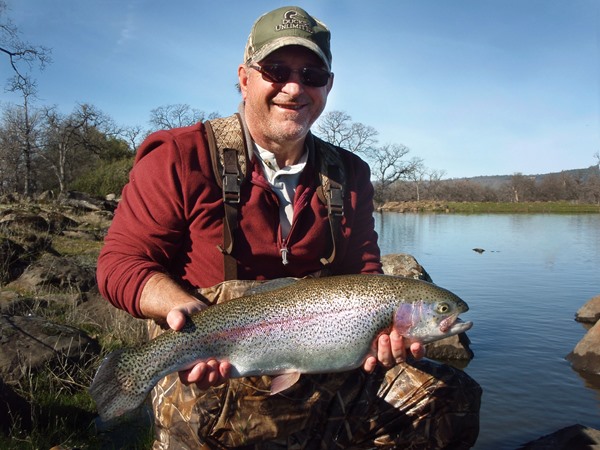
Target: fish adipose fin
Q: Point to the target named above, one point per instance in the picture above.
(282, 382)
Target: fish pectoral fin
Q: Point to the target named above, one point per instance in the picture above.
(282, 382)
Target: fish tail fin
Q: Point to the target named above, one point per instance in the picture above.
(114, 389)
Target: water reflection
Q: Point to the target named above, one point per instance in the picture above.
(591, 380)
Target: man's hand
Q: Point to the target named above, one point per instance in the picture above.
(162, 298)
(204, 374)
(391, 350)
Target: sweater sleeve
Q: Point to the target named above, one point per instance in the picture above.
(147, 225)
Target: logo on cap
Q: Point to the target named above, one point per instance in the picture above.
(294, 20)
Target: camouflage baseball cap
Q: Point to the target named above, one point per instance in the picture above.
(289, 25)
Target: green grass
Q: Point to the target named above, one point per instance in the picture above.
(63, 413)
(522, 208)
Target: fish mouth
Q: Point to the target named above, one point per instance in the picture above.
(454, 325)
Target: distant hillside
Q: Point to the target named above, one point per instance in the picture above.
(496, 181)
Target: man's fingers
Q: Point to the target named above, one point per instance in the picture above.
(206, 374)
(370, 364)
(398, 347)
(384, 351)
(192, 375)
(417, 350)
(224, 370)
(177, 316)
(176, 319)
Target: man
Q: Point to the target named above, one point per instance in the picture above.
(163, 253)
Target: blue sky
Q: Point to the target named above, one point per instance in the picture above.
(473, 87)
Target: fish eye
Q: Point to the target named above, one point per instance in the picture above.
(443, 308)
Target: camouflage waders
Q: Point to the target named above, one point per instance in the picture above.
(421, 405)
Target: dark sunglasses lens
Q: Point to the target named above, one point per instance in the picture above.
(276, 73)
(314, 77)
(309, 76)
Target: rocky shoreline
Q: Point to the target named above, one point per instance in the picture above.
(585, 357)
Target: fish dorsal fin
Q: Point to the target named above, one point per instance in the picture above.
(282, 382)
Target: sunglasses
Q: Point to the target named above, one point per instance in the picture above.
(277, 73)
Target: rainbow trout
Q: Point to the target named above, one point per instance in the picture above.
(316, 325)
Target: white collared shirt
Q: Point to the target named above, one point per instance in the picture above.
(284, 182)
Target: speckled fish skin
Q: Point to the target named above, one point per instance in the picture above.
(316, 325)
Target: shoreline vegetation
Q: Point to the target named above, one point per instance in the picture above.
(430, 206)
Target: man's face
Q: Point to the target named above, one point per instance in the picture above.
(280, 114)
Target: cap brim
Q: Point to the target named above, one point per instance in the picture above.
(276, 44)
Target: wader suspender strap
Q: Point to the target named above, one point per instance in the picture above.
(228, 149)
(331, 191)
(334, 198)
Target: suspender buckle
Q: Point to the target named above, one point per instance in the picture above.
(335, 201)
(231, 188)
(231, 176)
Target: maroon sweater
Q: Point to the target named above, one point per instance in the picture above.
(170, 220)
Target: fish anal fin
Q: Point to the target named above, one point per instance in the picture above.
(282, 382)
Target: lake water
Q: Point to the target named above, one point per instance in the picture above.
(523, 293)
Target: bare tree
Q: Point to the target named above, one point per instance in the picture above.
(25, 125)
(71, 141)
(337, 128)
(522, 187)
(22, 56)
(11, 163)
(387, 162)
(417, 175)
(435, 183)
(388, 166)
(176, 115)
(133, 136)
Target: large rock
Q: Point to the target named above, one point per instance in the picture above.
(30, 344)
(81, 201)
(55, 272)
(590, 312)
(404, 265)
(574, 437)
(586, 355)
(16, 220)
(452, 348)
(457, 347)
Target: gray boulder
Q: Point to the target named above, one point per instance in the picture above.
(56, 272)
(404, 265)
(30, 344)
(586, 355)
(573, 437)
(16, 220)
(590, 312)
(457, 347)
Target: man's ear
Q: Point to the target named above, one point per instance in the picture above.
(243, 80)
